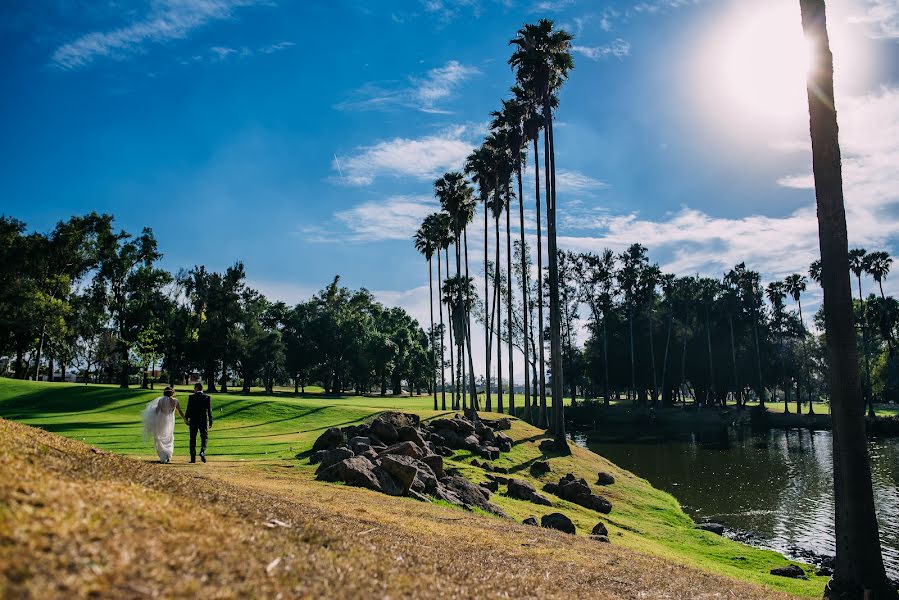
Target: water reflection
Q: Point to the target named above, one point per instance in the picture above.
(775, 484)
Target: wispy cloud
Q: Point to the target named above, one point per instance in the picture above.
(618, 49)
(220, 53)
(423, 93)
(396, 218)
(551, 5)
(167, 20)
(421, 158)
(882, 16)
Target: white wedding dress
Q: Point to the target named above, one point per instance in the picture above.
(159, 423)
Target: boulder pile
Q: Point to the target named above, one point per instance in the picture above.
(398, 455)
(576, 490)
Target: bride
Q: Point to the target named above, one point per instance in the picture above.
(159, 422)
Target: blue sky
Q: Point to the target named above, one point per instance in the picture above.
(303, 137)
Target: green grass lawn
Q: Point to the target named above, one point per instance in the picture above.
(261, 430)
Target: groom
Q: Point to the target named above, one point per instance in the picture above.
(199, 409)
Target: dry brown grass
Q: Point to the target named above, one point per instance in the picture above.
(77, 523)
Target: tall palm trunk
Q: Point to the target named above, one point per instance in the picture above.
(867, 391)
(473, 390)
(524, 311)
(665, 388)
(442, 357)
(652, 354)
(498, 321)
(454, 398)
(808, 374)
(487, 330)
(555, 321)
(499, 406)
(858, 565)
(630, 322)
(708, 334)
(543, 419)
(433, 377)
(758, 362)
(605, 356)
(733, 356)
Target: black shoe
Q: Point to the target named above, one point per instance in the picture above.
(193, 459)
(203, 456)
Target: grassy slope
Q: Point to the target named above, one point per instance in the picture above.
(268, 432)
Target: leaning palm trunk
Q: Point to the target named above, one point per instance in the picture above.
(543, 419)
(499, 406)
(524, 304)
(555, 321)
(859, 564)
(497, 320)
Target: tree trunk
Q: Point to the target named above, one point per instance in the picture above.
(433, 378)
(499, 406)
(733, 355)
(488, 332)
(858, 565)
(497, 320)
(708, 333)
(605, 356)
(442, 355)
(543, 418)
(524, 303)
(665, 395)
(471, 381)
(630, 322)
(554, 308)
(37, 361)
(867, 391)
(454, 401)
(652, 355)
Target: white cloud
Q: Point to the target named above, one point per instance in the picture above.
(422, 93)
(882, 16)
(167, 20)
(618, 48)
(396, 218)
(272, 48)
(420, 158)
(551, 5)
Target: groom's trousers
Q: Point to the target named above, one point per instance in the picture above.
(204, 435)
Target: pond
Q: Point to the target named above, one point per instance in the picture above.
(776, 485)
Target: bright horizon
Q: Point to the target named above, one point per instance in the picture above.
(211, 123)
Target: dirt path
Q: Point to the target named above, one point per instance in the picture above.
(75, 522)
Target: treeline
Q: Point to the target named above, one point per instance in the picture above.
(87, 297)
(659, 337)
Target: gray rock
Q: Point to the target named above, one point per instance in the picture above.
(359, 444)
(435, 462)
(605, 479)
(471, 442)
(716, 528)
(793, 571)
(463, 425)
(399, 419)
(525, 491)
(490, 485)
(388, 485)
(385, 432)
(356, 471)
(489, 452)
(402, 468)
(405, 448)
(410, 434)
(331, 438)
(332, 457)
(540, 467)
(460, 491)
(444, 424)
(445, 451)
(531, 521)
(600, 529)
(558, 521)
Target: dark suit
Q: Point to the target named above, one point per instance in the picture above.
(199, 415)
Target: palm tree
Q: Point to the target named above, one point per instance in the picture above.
(814, 271)
(426, 244)
(649, 279)
(543, 60)
(859, 564)
(776, 292)
(795, 284)
(669, 292)
(730, 301)
(633, 261)
(708, 290)
(455, 197)
(877, 265)
(496, 206)
(857, 266)
(443, 238)
(479, 166)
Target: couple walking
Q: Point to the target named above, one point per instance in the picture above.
(159, 422)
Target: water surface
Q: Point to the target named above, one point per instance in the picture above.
(775, 484)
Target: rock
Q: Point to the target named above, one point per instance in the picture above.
(525, 491)
(460, 491)
(547, 446)
(384, 431)
(600, 529)
(463, 425)
(445, 451)
(410, 434)
(577, 491)
(332, 457)
(540, 467)
(505, 447)
(793, 571)
(489, 452)
(551, 488)
(316, 457)
(359, 444)
(404, 448)
(388, 485)
(371, 454)
(824, 572)
(558, 521)
(501, 424)
(471, 442)
(605, 479)
(600, 538)
(594, 502)
(502, 437)
(399, 419)
(402, 468)
(498, 479)
(444, 424)
(500, 470)
(435, 462)
(356, 471)
(490, 485)
(331, 438)
(531, 521)
(716, 528)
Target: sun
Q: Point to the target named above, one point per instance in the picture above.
(763, 62)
